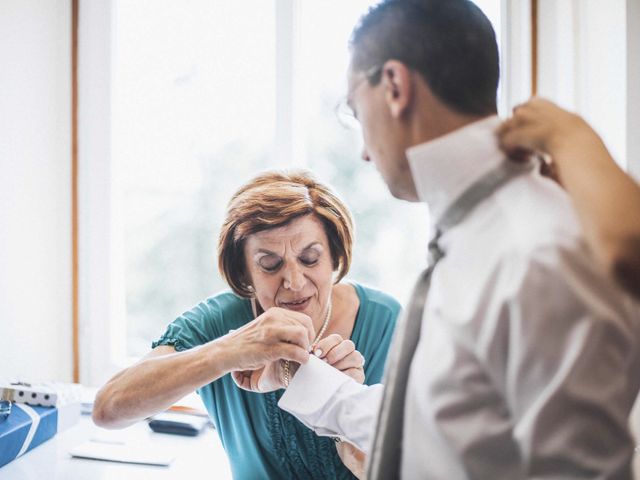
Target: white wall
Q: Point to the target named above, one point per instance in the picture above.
(35, 189)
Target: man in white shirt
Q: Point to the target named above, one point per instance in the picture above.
(526, 357)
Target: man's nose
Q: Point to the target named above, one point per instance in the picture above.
(294, 279)
(365, 155)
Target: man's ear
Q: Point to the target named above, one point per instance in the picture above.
(396, 79)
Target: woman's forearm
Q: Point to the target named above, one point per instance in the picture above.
(607, 201)
(155, 383)
(164, 376)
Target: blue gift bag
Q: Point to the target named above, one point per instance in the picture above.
(26, 428)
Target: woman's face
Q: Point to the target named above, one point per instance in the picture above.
(291, 267)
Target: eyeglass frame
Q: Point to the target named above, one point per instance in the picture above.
(343, 109)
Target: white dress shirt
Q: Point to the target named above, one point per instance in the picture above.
(527, 364)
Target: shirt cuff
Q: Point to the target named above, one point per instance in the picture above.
(313, 385)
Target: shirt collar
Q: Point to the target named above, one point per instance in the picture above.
(444, 167)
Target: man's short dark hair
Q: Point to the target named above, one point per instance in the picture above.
(451, 43)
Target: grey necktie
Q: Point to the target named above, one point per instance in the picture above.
(386, 452)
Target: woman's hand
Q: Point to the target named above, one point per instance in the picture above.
(341, 354)
(255, 351)
(539, 125)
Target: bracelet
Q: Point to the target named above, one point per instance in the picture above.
(287, 371)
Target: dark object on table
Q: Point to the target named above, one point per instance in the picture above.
(178, 424)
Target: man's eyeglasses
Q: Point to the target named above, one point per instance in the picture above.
(344, 112)
(5, 410)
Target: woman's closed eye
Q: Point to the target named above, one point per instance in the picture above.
(309, 258)
(270, 263)
(273, 263)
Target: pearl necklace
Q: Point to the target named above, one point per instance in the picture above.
(325, 324)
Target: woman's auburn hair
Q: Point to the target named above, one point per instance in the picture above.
(273, 199)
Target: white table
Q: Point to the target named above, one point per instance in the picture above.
(195, 457)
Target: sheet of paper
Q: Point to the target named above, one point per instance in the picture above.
(121, 453)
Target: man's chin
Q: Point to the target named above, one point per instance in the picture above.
(403, 192)
(400, 187)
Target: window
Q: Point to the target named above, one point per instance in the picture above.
(194, 110)
(201, 97)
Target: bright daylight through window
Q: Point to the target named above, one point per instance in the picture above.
(198, 94)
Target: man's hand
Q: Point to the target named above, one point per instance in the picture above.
(265, 379)
(353, 458)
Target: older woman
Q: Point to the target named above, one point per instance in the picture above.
(284, 248)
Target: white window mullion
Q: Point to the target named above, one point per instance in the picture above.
(289, 148)
(101, 297)
(516, 54)
(285, 40)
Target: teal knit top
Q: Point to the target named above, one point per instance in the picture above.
(262, 441)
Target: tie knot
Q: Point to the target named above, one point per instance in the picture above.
(435, 252)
